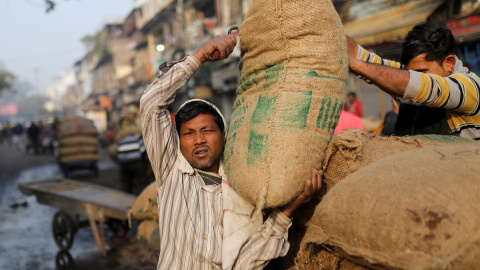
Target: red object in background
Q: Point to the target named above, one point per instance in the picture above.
(355, 108)
(105, 102)
(172, 115)
(110, 135)
(8, 110)
(209, 24)
(348, 120)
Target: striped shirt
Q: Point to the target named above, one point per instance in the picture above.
(458, 94)
(190, 212)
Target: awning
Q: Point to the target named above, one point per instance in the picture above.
(390, 25)
(467, 28)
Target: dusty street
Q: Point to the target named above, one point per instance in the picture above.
(26, 240)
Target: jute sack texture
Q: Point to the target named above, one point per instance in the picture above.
(351, 150)
(418, 209)
(79, 140)
(76, 125)
(78, 149)
(148, 231)
(146, 205)
(303, 256)
(290, 95)
(79, 157)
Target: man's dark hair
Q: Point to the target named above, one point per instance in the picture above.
(352, 94)
(436, 41)
(192, 110)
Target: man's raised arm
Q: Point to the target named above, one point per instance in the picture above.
(389, 78)
(160, 138)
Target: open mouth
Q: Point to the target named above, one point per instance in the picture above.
(201, 152)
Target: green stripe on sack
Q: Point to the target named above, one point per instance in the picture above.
(247, 81)
(313, 73)
(258, 143)
(294, 113)
(272, 73)
(325, 119)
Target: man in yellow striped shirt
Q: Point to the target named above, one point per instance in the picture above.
(438, 94)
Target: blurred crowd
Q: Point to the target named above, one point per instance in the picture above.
(32, 137)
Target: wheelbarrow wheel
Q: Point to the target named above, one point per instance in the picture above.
(64, 230)
(64, 260)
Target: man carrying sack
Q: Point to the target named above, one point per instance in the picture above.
(444, 92)
(203, 222)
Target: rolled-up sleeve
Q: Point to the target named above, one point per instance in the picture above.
(270, 242)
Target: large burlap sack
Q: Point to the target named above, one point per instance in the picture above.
(351, 150)
(290, 95)
(76, 125)
(78, 140)
(149, 232)
(303, 256)
(79, 157)
(122, 133)
(78, 149)
(146, 205)
(418, 209)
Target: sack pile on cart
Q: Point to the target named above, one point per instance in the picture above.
(78, 139)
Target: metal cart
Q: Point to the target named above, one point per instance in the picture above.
(75, 200)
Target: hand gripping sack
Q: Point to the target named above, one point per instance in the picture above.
(418, 209)
(291, 92)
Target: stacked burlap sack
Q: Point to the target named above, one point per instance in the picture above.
(78, 139)
(351, 150)
(417, 209)
(353, 156)
(291, 92)
(145, 211)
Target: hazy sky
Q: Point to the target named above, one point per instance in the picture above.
(31, 39)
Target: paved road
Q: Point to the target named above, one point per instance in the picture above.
(26, 240)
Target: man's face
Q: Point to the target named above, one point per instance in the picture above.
(202, 143)
(351, 98)
(419, 63)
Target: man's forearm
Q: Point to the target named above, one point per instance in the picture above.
(391, 80)
(270, 242)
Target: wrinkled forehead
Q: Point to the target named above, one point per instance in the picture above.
(201, 121)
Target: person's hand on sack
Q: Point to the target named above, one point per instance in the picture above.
(311, 187)
(223, 44)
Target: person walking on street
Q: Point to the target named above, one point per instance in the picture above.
(438, 94)
(7, 133)
(353, 106)
(193, 191)
(17, 132)
(34, 137)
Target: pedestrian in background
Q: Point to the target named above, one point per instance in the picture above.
(353, 105)
(34, 137)
(17, 136)
(7, 133)
(390, 120)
